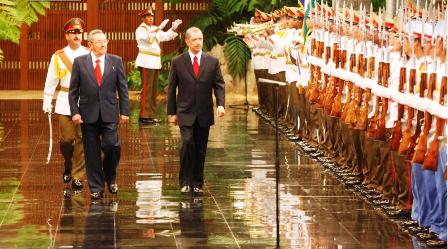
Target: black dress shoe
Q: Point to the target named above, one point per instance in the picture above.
(198, 191)
(77, 184)
(436, 243)
(399, 213)
(155, 120)
(145, 121)
(352, 182)
(96, 195)
(381, 202)
(113, 188)
(67, 194)
(67, 176)
(185, 189)
(368, 192)
(409, 223)
(374, 196)
(427, 236)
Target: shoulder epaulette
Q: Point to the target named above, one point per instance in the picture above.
(59, 51)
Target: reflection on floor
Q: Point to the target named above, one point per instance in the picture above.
(236, 211)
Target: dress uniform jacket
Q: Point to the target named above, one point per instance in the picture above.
(58, 72)
(148, 45)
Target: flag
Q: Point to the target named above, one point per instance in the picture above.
(309, 5)
(302, 3)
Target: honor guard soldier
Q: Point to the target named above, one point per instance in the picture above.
(149, 62)
(59, 73)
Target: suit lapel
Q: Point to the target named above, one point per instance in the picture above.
(90, 68)
(188, 64)
(107, 67)
(203, 64)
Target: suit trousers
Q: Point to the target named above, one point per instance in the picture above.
(150, 81)
(192, 151)
(71, 147)
(96, 137)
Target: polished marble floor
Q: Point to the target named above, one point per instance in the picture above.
(236, 211)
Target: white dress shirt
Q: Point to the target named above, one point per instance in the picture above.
(101, 58)
(197, 55)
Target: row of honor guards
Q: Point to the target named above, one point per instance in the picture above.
(367, 98)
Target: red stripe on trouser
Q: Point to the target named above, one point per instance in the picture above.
(394, 173)
(143, 95)
(408, 169)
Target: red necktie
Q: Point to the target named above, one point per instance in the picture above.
(196, 67)
(98, 75)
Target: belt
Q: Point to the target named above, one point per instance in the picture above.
(64, 89)
(149, 53)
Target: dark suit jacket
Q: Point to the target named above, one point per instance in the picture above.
(94, 100)
(194, 97)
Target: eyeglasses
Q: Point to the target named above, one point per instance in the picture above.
(100, 42)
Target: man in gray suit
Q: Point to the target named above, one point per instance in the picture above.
(196, 75)
(96, 79)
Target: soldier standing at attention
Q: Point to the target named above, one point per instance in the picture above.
(148, 61)
(60, 71)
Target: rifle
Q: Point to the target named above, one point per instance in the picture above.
(363, 109)
(420, 116)
(321, 101)
(396, 130)
(380, 133)
(407, 132)
(374, 120)
(313, 53)
(359, 120)
(331, 89)
(420, 151)
(431, 157)
(336, 109)
(312, 67)
(314, 96)
(349, 103)
(362, 61)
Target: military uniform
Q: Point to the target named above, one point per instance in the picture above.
(59, 72)
(149, 63)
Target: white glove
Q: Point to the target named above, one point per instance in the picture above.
(176, 24)
(163, 24)
(47, 107)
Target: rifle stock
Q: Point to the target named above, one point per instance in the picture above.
(322, 93)
(396, 131)
(420, 116)
(380, 132)
(431, 158)
(407, 132)
(314, 95)
(350, 95)
(362, 111)
(374, 120)
(336, 110)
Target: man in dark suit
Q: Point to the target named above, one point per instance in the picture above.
(96, 79)
(196, 75)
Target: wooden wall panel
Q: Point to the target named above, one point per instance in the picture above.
(118, 18)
